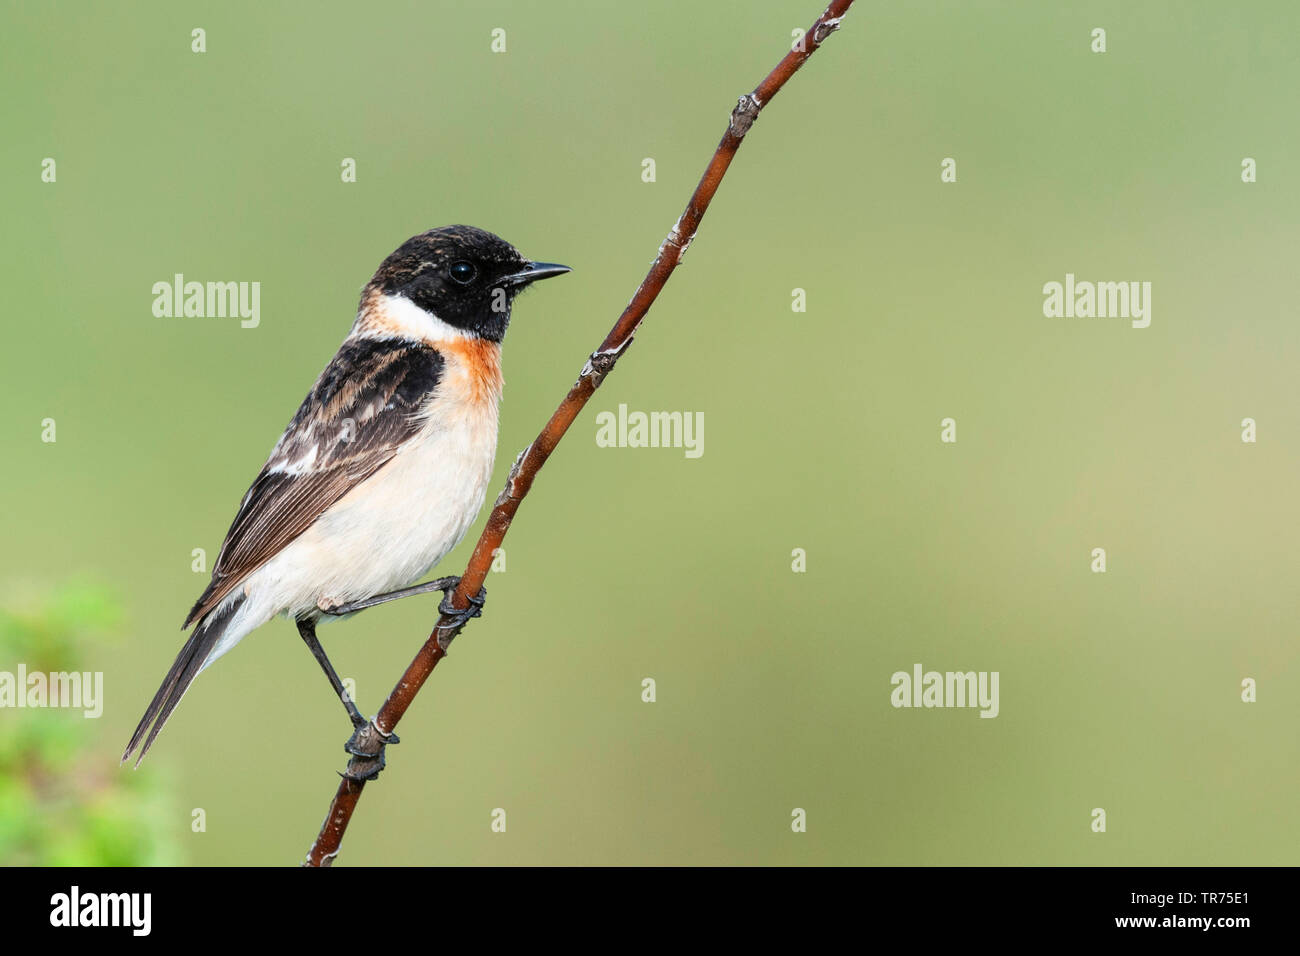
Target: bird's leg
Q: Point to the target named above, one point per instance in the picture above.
(307, 628)
(438, 584)
(367, 741)
(445, 585)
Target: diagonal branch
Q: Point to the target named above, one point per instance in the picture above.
(600, 363)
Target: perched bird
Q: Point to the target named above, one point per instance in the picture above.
(383, 468)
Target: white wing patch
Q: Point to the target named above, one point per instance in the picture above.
(299, 467)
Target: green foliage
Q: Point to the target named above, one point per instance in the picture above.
(63, 800)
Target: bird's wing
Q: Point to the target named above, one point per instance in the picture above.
(362, 409)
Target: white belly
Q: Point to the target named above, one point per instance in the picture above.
(395, 526)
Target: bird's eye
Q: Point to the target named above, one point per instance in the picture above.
(462, 272)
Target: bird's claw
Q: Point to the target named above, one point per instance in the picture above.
(459, 617)
(366, 745)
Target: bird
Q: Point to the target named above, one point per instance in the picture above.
(381, 471)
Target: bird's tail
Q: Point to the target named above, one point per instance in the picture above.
(189, 662)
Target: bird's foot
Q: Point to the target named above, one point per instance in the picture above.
(366, 745)
(459, 617)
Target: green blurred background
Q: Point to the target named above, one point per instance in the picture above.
(1118, 690)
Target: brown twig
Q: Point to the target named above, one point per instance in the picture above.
(531, 459)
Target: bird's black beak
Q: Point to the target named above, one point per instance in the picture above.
(536, 270)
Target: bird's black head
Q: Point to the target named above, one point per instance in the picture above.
(464, 276)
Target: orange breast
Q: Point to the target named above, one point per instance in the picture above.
(473, 369)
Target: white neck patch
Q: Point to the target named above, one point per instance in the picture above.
(398, 315)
